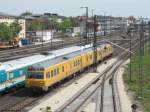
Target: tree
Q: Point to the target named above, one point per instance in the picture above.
(65, 24)
(5, 32)
(37, 25)
(15, 28)
(9, 32)
(27, 13)
(74, 22)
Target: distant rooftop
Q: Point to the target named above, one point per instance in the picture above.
(6, 15)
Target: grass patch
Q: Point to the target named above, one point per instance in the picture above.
(134, 84)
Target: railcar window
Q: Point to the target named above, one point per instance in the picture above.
(74, 63)
(87, 58)
(90, 57)
(52, 73)
(78, 62)
(47, 75)
(62, 68)
(57, 70)
(36, 75)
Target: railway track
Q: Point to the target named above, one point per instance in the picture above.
(33, 49)
(101, 83)
(21, 102)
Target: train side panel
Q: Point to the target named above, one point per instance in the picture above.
(16, 73)
(3, 76)
(53, 74)
(83, 61)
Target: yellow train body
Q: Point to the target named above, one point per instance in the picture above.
(68, 66)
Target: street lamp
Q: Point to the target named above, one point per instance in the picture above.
(129, 34)
(87, 40)
(105, 24)
(92, 13)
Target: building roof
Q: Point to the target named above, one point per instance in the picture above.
(6, 15)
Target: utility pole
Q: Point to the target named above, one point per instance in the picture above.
(129, 34)
(148, 35)
(51, 35)
(86, 26)
(93, 27)
(141, 61)
(42, 33)
(110, 24)
(92, 13)
(95, 45)
(105, 24)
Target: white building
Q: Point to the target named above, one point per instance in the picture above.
(44, 35)
(10, 19)
(73, 31)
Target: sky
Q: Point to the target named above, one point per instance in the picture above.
(72, 7)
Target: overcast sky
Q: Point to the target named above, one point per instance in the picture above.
(72, 7)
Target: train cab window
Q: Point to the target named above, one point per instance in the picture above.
(52, 73)
(57, 70)
(63, 69)
(36, 75)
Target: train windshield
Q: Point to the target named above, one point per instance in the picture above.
(36, 75)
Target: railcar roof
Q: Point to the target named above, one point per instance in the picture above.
(23, 62)
(47, 63)
(27, 61)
